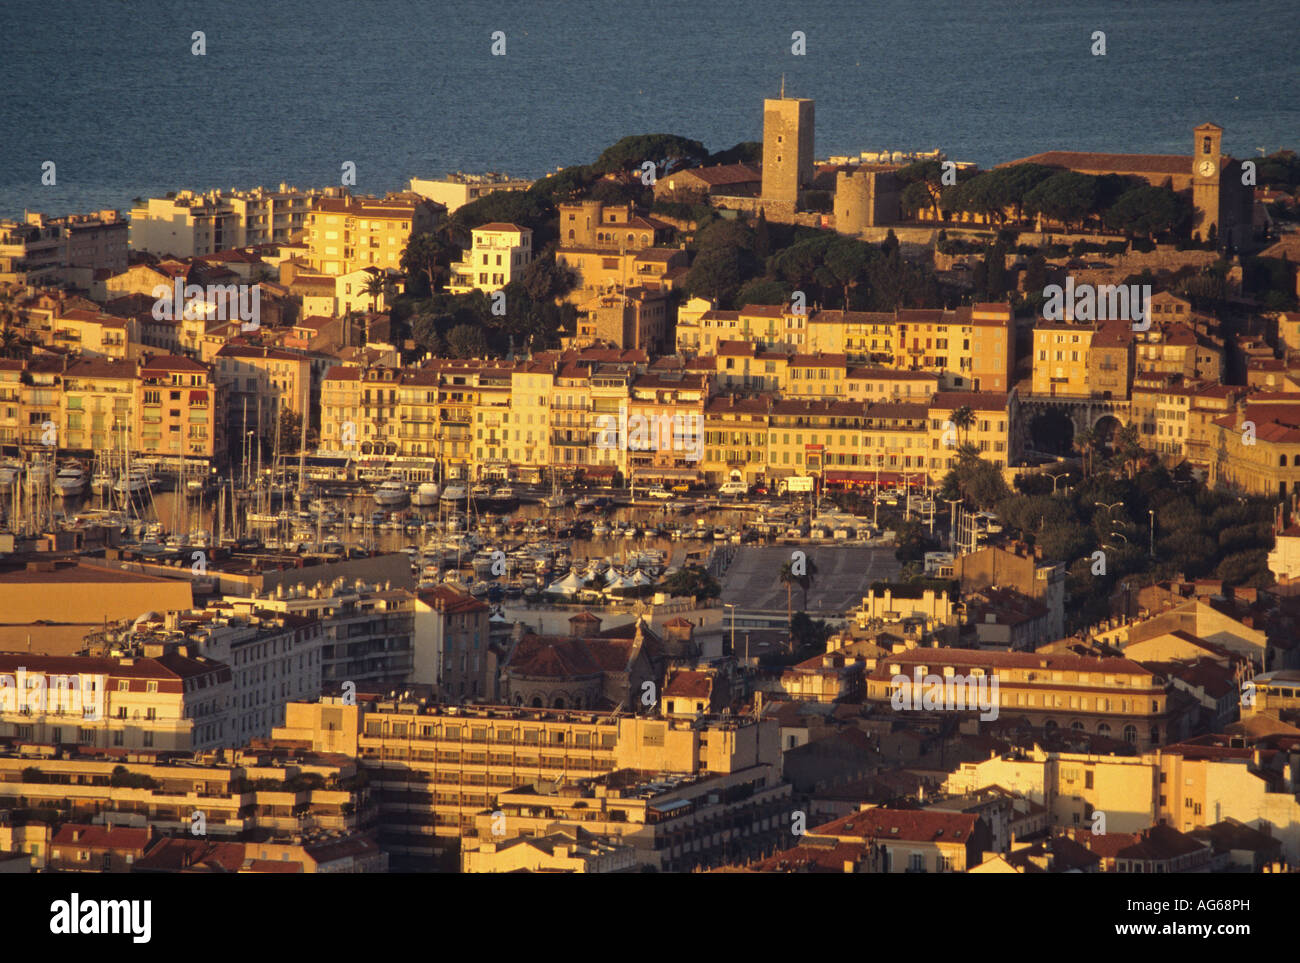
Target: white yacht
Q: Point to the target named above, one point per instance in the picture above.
(133, 484)
(102, 482)
(391, 492)
(481, 490)
(70, 481)
(426, 494)
(453, 493)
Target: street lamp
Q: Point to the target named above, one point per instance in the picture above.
(729, 605)
(1151, 515)
(1064, 474)
(1109, 507)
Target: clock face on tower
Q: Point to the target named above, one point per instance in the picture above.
(1206, 168)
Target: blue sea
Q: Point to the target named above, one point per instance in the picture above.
(110, 91)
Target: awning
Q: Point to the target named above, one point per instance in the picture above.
(642, 473)
(862, 477)
(594, 471)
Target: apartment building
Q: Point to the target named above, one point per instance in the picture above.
(257, 384)
(197, 224)
(498, 255)
(452, 652)
(673, 823)
(457, 190)
(1111, 697)
(900, 841)
(93, 333)
(972, 347)
(858, 335)
(1177, 350)
(98, 397)
(267, 791)
(436, 769)
(175, 701)
(1203, 784)
(177, 404)
(367, 632)
(1162, 416)
(563, 851)
(664, 432)
(83, 595)
(12, 421)
(89, 848)
(735, 438)
(1255, 449)
(770, 326)
(1060, 365)
(49, 250)
(26, 836)
(990, 431)
(634, 317)
(272, 657)
(346, 234)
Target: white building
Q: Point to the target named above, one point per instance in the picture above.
(193, 225)
(457, 190)
(498, 255)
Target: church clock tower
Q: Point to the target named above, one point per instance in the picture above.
(1207, 160)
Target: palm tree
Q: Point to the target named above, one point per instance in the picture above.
(963, 420)
(788, 579)
(1128, 445)
(11, 343)
(1084, 441)
(806, 579)
(374, 287)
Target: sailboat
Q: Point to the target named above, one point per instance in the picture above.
(556, 499)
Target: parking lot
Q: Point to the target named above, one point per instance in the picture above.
(753, 582)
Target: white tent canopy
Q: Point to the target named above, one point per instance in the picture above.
(568, 585)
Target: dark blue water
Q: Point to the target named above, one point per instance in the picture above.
(109, 90)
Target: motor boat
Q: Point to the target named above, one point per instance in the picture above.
(133, 484)
(102, 482)
(481, 490)
(70, 481)
(426, 494)
(391, 492)
(453, 493)
(9, 473)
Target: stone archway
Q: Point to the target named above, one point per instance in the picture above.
(1104, 430)
(1051, 431)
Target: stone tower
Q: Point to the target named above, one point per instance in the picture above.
(853, 201)
(1207, 175)
(787, 150)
